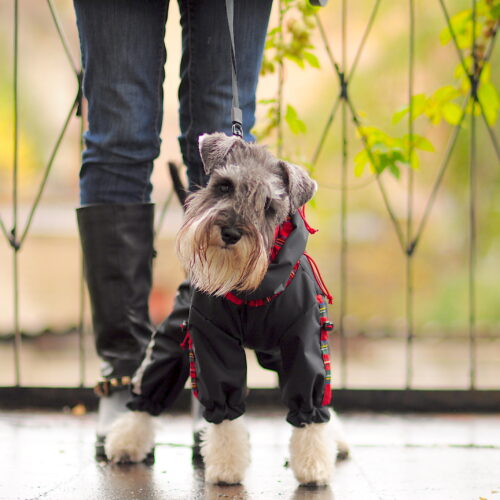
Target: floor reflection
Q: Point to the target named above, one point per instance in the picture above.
(127, 481)
(312, 492)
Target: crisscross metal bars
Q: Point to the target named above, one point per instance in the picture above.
(408, 239)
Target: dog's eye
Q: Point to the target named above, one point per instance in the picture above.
(224, 187)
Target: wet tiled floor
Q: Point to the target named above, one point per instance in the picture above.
(394, 457)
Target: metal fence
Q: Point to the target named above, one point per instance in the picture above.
(408, 231)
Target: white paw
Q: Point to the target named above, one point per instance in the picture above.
(225, 448)
(130, 438)
(312, 454)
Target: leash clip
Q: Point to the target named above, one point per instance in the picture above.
(237, 120)
(237, 129)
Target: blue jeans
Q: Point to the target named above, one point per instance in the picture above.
(123, 55)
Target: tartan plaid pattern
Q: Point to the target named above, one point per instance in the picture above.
(280, 235)
(325, 327)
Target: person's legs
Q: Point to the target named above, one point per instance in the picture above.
(123, 55)
(205, 92)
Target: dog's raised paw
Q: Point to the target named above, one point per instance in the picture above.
(130, 439)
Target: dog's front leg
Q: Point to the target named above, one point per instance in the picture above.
(314, 449)
(130, 438)
(312, 454)
(225, 448)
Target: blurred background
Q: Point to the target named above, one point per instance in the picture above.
(368, 278)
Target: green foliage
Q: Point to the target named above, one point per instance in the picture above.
(442, 104)
(439, 106)
(461, 24)
(290, 40)
(296, 125)
(474, 66)
(385, 152)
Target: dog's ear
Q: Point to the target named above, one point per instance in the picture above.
(214, 148)
(299, 185)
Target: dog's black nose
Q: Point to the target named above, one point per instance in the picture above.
(230, 235)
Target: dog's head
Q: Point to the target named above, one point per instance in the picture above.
(228, 231)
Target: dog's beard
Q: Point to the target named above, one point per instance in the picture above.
(215, 268)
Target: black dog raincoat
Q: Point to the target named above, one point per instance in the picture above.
(284, 321)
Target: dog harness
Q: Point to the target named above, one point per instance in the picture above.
(284, 321)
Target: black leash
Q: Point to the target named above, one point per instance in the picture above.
(236, 113)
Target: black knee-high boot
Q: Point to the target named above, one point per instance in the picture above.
(117, 244)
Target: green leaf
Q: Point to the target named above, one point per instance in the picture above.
(360, 161)
(446, 93)
(296, 125)
(487, 95)
(485, 73)
(459, 23)
(399, 115)
(445, 36)
(266, 101)
(495, 11)
(299, 62)
(420, 142)
(394, 170)
(311, 59)
(418, 102)
(452, 113)
(399, 157)
(274, 31)
(384, 161)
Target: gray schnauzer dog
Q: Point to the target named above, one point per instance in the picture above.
(229, 227)
(242, 244)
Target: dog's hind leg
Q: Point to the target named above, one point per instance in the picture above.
(337, 431)
(130, 438)
(225, 448)
(313, 451)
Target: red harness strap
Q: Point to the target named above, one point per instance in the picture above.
(302, 213)
(319, 279)
(315, 269)
(262, 302)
